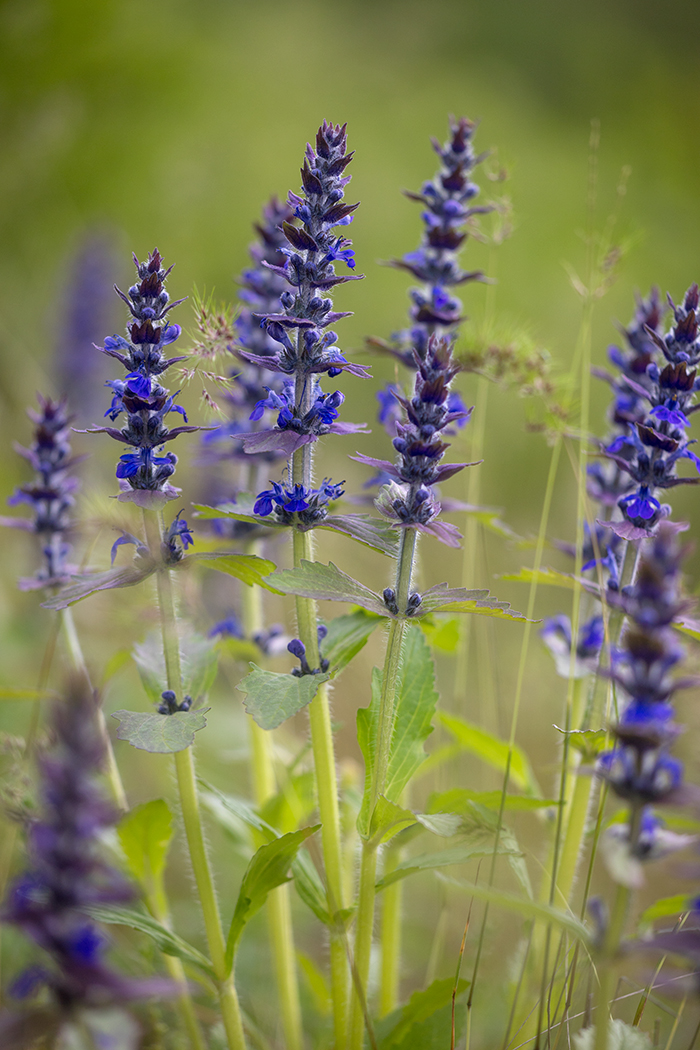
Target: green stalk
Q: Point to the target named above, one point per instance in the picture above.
(387, 707)
(78, 661)
(189, 803)
(611, 944)
(392, 903)
(539, 552)
(327, 789)
(279, 914)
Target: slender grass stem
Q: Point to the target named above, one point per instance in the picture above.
(391, 939)
(278, 906)
(78, 661)
(364, 924)
(189, 804)
(527, 630)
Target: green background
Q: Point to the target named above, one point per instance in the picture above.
(170, 123)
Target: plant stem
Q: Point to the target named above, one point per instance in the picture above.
(611, 944)
(392, 901)
(78, 660)
(327, 790)
(385, 727)
(278, 904)
(158, 908)
(189, 802)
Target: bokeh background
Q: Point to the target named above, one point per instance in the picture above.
(127, 125)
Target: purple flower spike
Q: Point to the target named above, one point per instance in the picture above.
(66, 872)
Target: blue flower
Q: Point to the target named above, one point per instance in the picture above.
(311, 505)
(640, 504)
(669, 412)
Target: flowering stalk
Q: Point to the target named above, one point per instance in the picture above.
(639, 768)
(409, 502)
(51, 496)
(144, 480)
(67, 875)
(305, 413)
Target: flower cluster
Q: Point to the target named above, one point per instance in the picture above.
(306, 345)
(143, 474)
(446, 199)
(408, 499)
(51, 495)
(653, 400)
(66, 873)
(298, 505)
(297, 648)
(639, 768)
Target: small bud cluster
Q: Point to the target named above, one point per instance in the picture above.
(409, 500)
(297, 648)
(169, 704)
(51, 495)
(650, 441)
(640, 768)
(142, 473)
(66, 873)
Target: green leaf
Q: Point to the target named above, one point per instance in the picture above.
(240, 811)
(267, 869)
(415, 709)
(552, 578)
(490, 520)
(272, 698)
(326, 583)
(528, 909)
(198, 660)
(310, 887)
(346, 636)
(665, 907)
(425, 1022)
(316, 983)
(459, 800)
(493, 751)
(167, 941)
(160, 734)
(443, 632)
(247, 568)
(590, 742)
(239, 649)
(145, 834)
(83, 586)
(373, 532)
(367, 726)
(458, 599)
(478, 844)
(292, 805)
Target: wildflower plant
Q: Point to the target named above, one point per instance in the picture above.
(345, 843)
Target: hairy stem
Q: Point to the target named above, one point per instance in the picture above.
(278, 907)
(327, 789)
(364, 925)
(189, 803)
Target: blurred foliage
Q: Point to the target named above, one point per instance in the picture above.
(171, 123)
